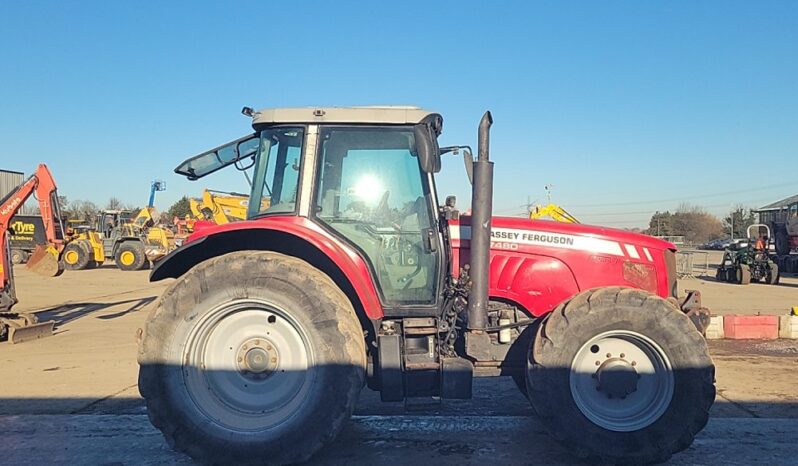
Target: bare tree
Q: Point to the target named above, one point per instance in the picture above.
(114, 204)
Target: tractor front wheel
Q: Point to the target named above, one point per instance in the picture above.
(743, 274)
(252, 357)
(620, 376)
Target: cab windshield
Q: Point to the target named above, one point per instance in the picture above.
(276, 176)
(215, 159)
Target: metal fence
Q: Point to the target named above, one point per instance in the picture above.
(692, 264)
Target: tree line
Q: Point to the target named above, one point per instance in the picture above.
(699, 226)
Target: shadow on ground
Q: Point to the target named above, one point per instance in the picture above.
(73, 311)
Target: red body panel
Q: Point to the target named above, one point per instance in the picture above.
(350, 263)
(538, 264)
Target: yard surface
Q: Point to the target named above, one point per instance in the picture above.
(73, 397)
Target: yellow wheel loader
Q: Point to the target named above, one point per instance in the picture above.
(221, 207)
(132, 243)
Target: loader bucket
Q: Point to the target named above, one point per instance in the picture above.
(44, 261)
(30, 332)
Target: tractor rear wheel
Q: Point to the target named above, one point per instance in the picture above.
(252, 357)
(130, 256)
(75, 256)
(743, 274)
(772, 276)
(621, 376)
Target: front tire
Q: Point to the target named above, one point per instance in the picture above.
(621, 376)
(252, 357)
(18, 257)
(75, 256)
(130, 256)
(743, 274)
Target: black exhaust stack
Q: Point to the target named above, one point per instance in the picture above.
(481, 214)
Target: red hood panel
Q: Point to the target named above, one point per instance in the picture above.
(598, 232)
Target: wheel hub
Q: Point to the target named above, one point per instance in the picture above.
(257, 359)
(248, 365)
(616, 377)
(621, 380)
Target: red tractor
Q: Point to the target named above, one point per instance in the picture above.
(354, 274)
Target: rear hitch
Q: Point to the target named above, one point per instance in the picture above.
(699, 315)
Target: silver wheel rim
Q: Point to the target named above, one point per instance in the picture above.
(247, 365)
(621, 381)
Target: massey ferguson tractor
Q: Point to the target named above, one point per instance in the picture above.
(354, 274)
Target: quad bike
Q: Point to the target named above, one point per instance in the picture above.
(749, 263)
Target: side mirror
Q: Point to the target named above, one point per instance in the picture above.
(468, 159)
(426, 136)
(427, 148)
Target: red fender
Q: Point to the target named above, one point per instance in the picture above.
(195, 250)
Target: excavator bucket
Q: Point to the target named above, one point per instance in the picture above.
(44, 261)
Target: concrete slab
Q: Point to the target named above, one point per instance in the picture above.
(367, 440)
(788, 327)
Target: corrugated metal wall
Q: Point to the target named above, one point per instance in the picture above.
(9, 181)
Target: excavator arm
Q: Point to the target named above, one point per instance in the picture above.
(17, 328)
(45, 259)
(554, 212)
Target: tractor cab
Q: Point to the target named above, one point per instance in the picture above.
(368, 183)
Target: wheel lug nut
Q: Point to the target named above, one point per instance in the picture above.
(609, 355)
(623, 355)
(244, 347)
(274, 360)
(268, 347)
(257, 342)
(634, 363)
(240, 359)
(598, 363)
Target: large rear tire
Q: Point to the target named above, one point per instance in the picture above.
(621, 376)
(130, 256)
(252, 357)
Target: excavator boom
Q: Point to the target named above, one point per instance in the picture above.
(45, 260)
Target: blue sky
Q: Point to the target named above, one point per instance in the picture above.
(625, 107)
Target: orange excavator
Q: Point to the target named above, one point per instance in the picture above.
(19, 327)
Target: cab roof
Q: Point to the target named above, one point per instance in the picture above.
(397, 115)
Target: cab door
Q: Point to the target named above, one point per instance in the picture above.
(371, 191)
